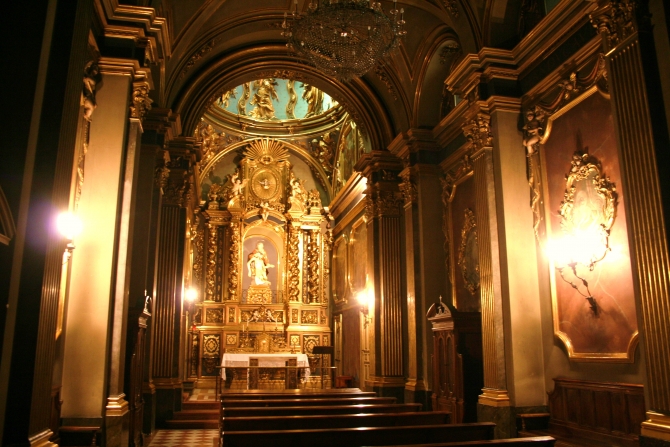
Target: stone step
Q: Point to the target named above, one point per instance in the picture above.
(196, 415)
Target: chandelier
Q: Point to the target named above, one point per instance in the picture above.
(344, 39)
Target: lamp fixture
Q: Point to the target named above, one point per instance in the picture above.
(344, 38)
(69, 225)
(365, 300)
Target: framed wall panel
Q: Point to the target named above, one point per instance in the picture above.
(339, 275)
(358, 252)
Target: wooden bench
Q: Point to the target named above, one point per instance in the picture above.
(536, 441)
(361, 436)
(333, 421)
(269, 402)
(324, 410)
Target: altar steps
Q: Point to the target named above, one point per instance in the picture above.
(195, 415)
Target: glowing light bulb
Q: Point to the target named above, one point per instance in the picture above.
(69, 225)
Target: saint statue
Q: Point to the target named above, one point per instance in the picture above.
(262, 100)
(257, 266)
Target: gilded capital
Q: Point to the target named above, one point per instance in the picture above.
(615, 21)
(408, 188)
(161, 171)
(141, 103)
(478, 131)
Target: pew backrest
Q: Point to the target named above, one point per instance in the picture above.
(307, 410)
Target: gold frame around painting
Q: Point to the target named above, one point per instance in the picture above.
(618, 357)
(340, 263)
(357, 270)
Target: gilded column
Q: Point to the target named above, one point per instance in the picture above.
(641, 137)
(383, 209)
(494, 394)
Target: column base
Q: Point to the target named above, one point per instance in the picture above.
(494, 406)
(42, 439)
(417, 392)
(388, 387)
(657, 427)
(116, 422)
(149, 416)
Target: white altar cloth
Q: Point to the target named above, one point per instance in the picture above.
(267, 360)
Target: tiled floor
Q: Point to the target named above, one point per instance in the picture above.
(185, 438)
(202, 395)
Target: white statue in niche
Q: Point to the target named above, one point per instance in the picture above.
(257, 266)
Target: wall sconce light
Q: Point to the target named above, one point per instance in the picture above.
(69, 225)
(366, 300)
(191, 294)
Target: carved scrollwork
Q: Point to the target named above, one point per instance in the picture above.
(468, 255)
(589, 206)
(313, 267)
(91, 79)
(197, 235)
(202, 51)
(408, 189)
(141, 103)
(386, 80)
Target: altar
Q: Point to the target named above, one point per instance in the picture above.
(272, 360)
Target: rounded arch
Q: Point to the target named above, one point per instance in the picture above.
(233, 69)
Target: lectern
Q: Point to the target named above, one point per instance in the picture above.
(323, 350)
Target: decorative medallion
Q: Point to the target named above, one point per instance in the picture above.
(308, 343)
(214, 316)
(294, 316)
(231, 315)
(310, 317)
(231, 339)
(468, 253)
(211, 344)
(265, 184)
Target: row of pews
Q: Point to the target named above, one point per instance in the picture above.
(345, 417)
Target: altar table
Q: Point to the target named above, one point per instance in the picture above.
(264, 360)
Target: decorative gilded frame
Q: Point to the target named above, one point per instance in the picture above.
(619, 357)
(340, 262)
(469, 227)
(463, 174)
(353, 266)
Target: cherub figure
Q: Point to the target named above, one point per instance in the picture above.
(532, 130)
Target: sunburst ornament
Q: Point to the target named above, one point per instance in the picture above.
(266, 151)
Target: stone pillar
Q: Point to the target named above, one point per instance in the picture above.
(99, 283)
(642, 141)
(425, 260)
(518, 261)
(383, 212)
(159, 126)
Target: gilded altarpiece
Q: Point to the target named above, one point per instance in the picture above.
(263, 260)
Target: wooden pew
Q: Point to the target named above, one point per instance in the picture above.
(295, 394)
(333, 421)
(324, 410)
(361, 436)
(307, 402)
(537, 441)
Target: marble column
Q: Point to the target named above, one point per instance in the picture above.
(420, 188)
(384, 225)
(642, 139)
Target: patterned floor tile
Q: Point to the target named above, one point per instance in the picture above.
(185, 438)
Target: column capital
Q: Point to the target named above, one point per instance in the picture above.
(615, 21)
(415, 146)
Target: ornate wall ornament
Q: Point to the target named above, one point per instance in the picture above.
(451, 6)
(308, 343)
(386, 80)
(589, 205)
(293, 261)
(478, 131)
(314, 98)
(198, 241)
(195, 353)
(449, 51)
(309, 317)
(242, 102)
(202, 52)
(214, 316)
(408, 189)
(141, 103)
(233, 272)
(615, 20)
(533, 131)
(468, 254)
(294, 316)
(231, 315)
(212, 261)
(265, 93)
(161, 171)
(175, 191)
(224, 100)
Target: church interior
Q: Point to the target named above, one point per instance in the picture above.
(335, 222)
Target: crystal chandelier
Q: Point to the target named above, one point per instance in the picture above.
(344, 39)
